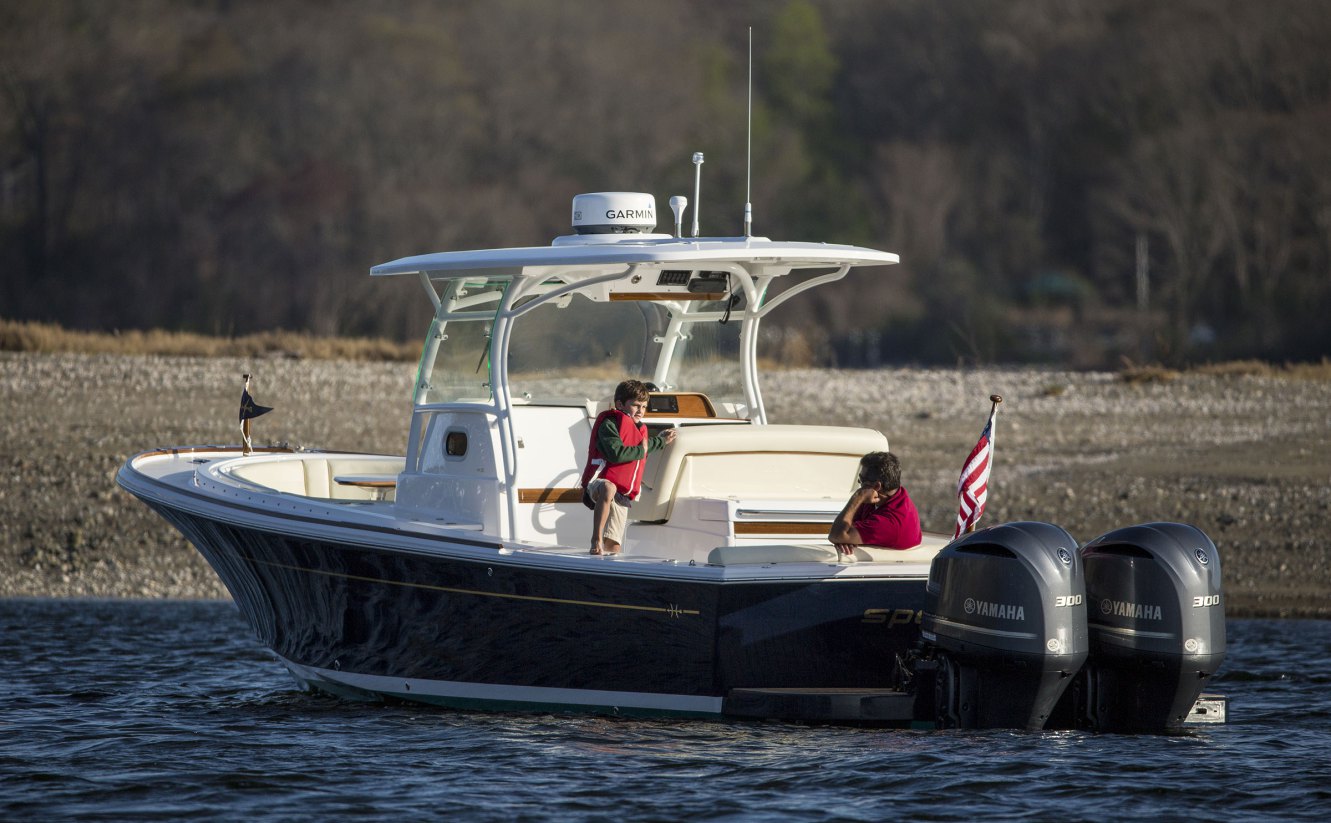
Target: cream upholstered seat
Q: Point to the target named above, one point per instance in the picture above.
(312, 475)
(753, 463)
(770, 553)
(765, 554)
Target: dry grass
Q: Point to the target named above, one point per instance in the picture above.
(1133, 373)
(1238, 368)
(1309, 371)
(1147, 374)
(50, 338)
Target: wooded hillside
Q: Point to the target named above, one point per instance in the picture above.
(226, 167)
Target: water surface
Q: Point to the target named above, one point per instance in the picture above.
(150, 710)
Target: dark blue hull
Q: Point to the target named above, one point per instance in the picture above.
(346, 617)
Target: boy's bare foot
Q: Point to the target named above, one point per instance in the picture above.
(596, 549)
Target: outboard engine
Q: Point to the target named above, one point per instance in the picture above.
(1157, 627)
(1005, 616)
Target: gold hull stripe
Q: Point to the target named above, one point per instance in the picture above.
(673, 611)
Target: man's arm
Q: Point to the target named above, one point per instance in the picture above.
(843, 534)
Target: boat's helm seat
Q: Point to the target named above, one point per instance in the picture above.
(753, 463)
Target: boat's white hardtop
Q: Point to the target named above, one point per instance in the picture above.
(596, 253)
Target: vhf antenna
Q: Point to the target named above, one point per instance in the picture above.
(678, 203)
(748, 171)
(697, 186)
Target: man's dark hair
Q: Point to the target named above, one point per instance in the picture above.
(881, 467)
(631, 390)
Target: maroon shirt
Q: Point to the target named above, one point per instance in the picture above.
(892, 524)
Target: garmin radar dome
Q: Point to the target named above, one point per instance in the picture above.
(614, 212)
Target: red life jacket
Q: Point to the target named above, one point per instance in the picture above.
(627, 477)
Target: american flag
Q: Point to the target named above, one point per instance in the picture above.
(973, 486)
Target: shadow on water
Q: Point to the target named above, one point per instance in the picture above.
(162, 710)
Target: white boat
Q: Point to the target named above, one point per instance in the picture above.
(458, 573)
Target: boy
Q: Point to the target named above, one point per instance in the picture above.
(879, 513)
(616, 456)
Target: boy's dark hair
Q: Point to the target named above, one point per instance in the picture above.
(881, 467)
(631, 390)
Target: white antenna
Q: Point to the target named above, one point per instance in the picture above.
(748, 171)
(697, 187)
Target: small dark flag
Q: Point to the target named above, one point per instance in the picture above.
(249, 409)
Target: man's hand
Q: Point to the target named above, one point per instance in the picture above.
(843, 528)
(867, 494)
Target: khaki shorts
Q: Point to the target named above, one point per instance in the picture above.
(618, 518)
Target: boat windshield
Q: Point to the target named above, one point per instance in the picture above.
(455, 364)
(572, 349)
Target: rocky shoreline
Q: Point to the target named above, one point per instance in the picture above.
(1245, 458)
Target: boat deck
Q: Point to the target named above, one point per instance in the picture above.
(193, 472)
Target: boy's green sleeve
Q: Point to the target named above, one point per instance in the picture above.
(610, 444)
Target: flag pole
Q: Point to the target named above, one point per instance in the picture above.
(973, 485)
(248, 409)
(994, 400)
(245, 422)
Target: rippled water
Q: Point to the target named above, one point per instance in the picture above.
(152, 710)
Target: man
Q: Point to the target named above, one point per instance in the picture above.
(880, 512)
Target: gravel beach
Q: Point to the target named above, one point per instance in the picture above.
(1247, 459)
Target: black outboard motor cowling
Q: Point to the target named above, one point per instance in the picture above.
(1005, 616)
(1157, 627)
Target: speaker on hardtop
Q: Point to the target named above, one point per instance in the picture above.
(1005, 619)
(1157, 628)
